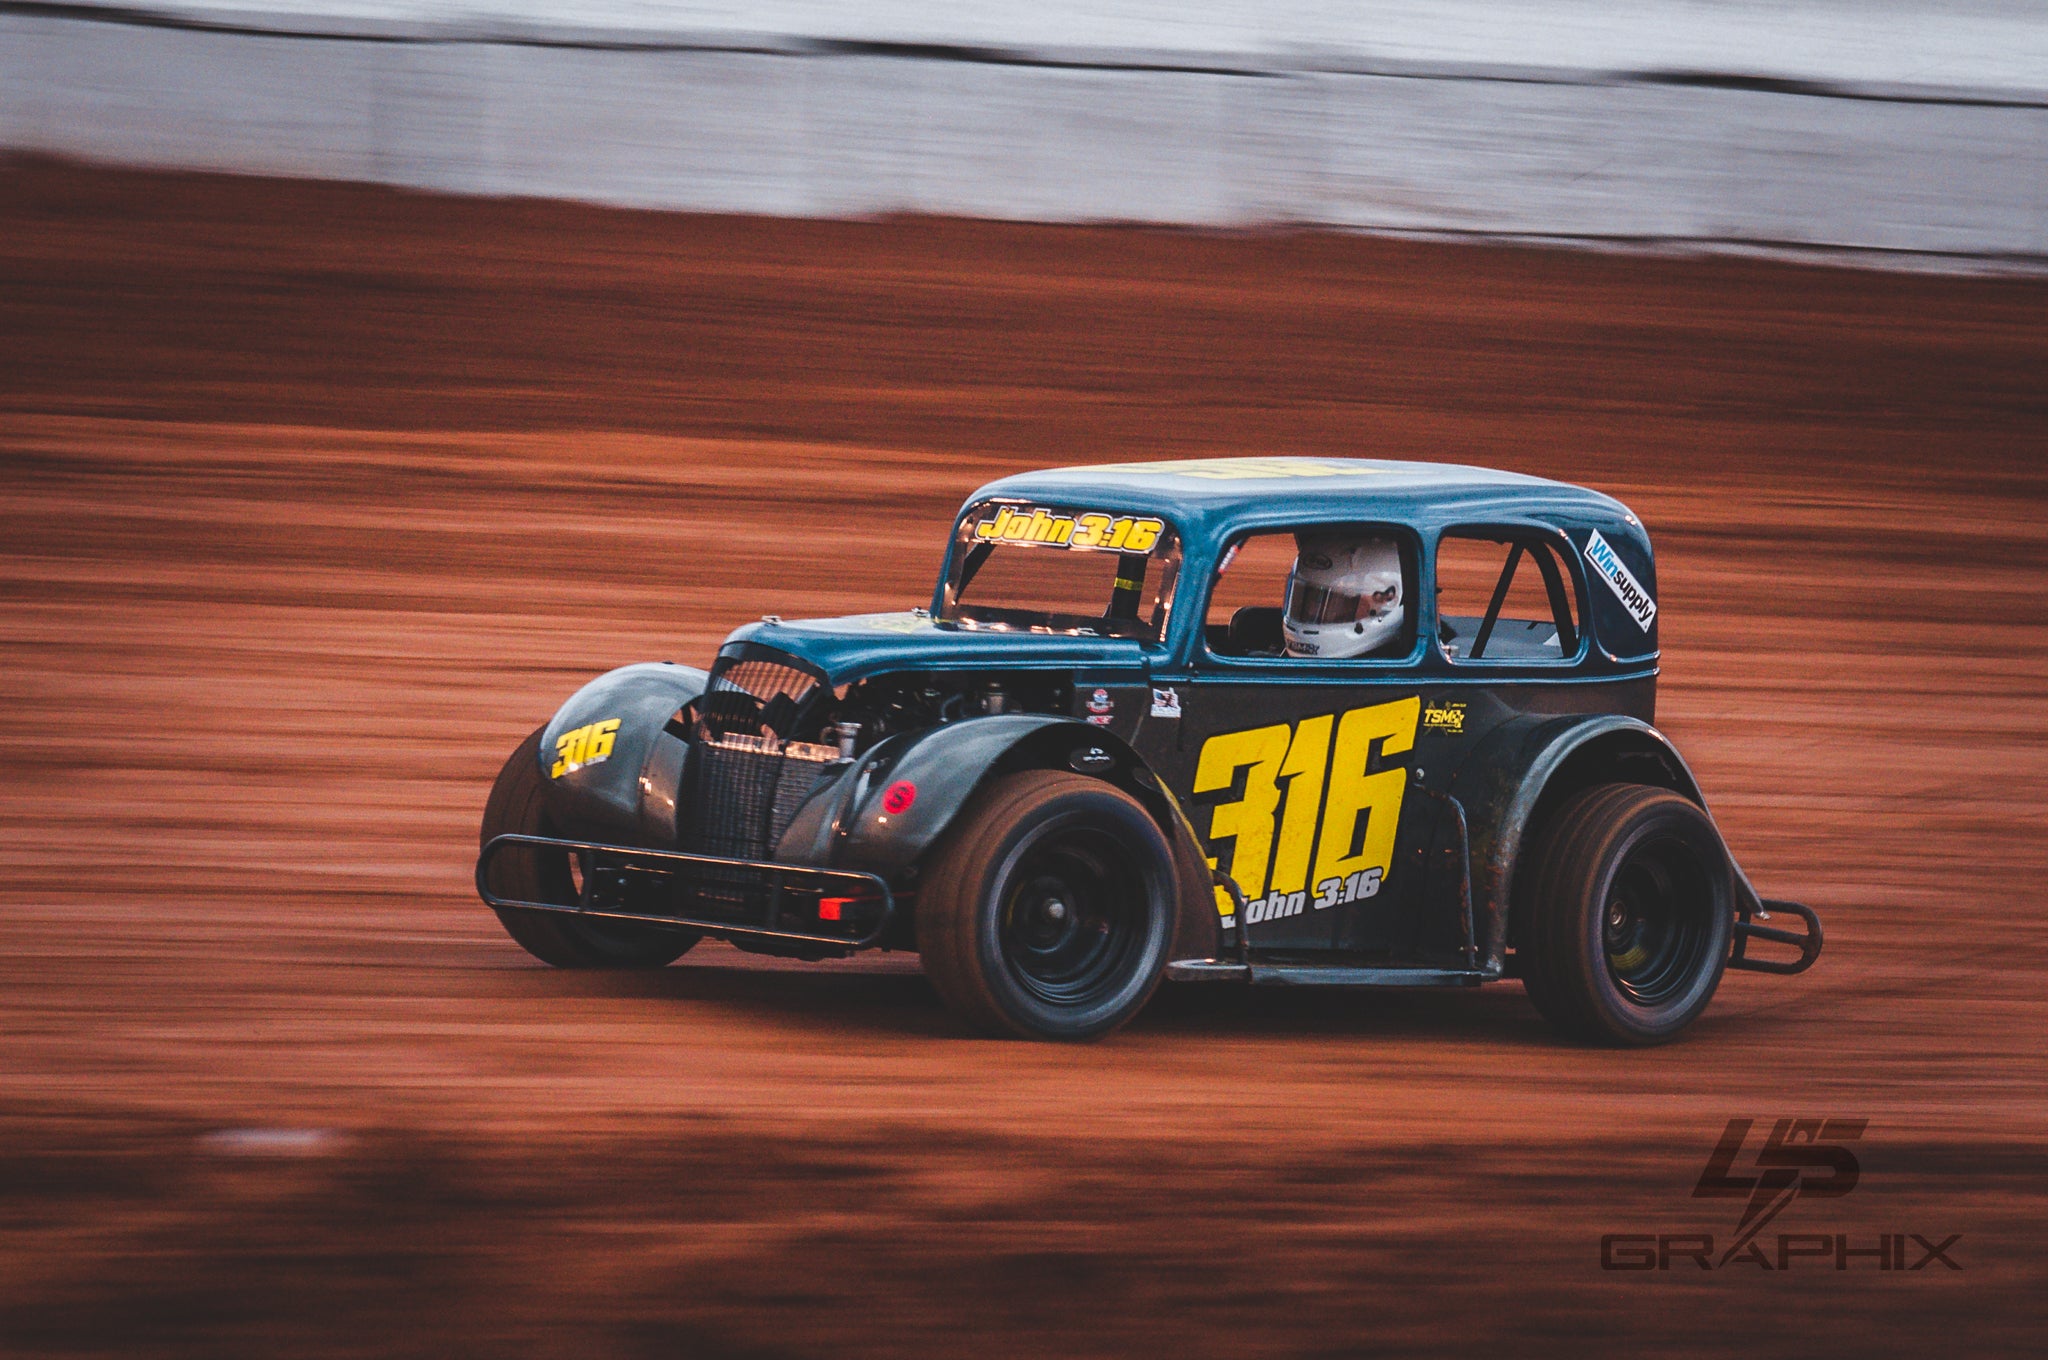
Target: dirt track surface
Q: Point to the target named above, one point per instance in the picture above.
(320, 498)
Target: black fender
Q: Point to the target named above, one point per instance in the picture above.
(1527, 767)
(628, 793)
(849, 823)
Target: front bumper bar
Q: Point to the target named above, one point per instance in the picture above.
(1808, 942)
(620, 882)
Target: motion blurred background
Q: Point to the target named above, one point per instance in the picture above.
(1905, 126)
(373, 374)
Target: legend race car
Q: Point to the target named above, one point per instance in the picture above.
(1260, 721)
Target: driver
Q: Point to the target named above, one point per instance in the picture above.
(1343, 596)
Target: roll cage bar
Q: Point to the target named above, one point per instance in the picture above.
(1553, 587)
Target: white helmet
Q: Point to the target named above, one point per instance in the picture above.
(1343, 596)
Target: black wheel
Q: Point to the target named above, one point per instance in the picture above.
(1630, 917)
(1048, 913)
(516, 807)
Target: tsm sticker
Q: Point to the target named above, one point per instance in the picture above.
(1444, 716)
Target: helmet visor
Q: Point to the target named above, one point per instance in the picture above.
(1308, 603)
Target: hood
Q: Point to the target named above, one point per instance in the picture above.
(861, 645)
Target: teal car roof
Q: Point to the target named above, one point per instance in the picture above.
(1212, 497)
(1213, 501)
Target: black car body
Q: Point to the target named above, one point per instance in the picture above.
(1391, 820)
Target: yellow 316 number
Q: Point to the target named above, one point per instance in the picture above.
(1297, 779)
(590, 744)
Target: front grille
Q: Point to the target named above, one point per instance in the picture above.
(740, 794)
(743, 791)
(745, 780)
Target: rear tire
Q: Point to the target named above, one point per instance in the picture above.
(1631, 916)
(517, 807)
(1049, 911)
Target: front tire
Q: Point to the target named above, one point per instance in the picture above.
(1048, 913)
(1631, 915)
(531, 874)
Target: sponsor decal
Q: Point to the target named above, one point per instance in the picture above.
(1101, 719)
(1798, 1159)
(1054, 529)
(898, 797)
(590, 744)
(1316, 805)
(1247, 469)
(1101, 701)
(1609, 568)
(1445, 716)
(1091, 760)
(1166, 703)
(896, 623)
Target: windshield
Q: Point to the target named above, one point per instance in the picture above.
(1058, 569)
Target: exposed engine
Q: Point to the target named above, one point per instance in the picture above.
(889, 704)
(756, 697)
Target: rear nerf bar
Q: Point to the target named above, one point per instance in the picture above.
(1808, 943)
(617, 869)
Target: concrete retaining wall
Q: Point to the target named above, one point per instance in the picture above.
(787, 126)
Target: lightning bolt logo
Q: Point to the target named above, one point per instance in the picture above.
(1787, 1163)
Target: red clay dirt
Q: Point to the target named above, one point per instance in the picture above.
(320, 497)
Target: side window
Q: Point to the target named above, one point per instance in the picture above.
(1504, 597)
(1322, 592)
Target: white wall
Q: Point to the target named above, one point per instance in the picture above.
(783, 124)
